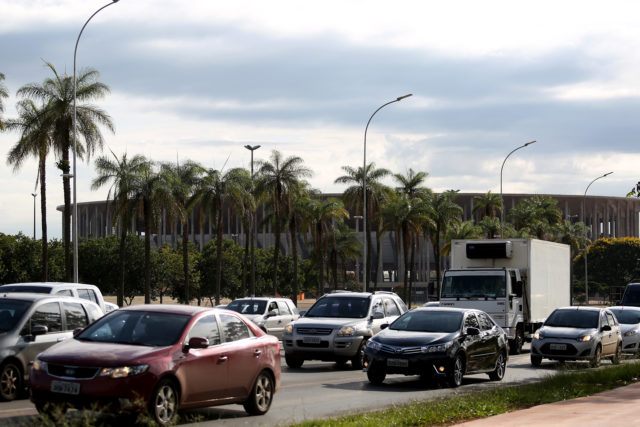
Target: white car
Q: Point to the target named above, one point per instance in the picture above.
(629, 319)
(78, 290)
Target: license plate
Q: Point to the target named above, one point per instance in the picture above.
(400, 363)
(65, 387)
(311, 340)
(558, 346)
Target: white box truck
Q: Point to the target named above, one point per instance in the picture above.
(519, 282)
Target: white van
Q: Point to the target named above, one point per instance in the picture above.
(78, 290)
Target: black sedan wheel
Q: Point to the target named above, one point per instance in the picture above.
(536, 360)
(293, 361)
(10, 381)
(455, 377)
(501, 367)
(376, 373)
(163, 405)
(261, 396)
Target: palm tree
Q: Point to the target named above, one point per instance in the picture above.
(57, 94)
(539, 214)
(295, 222)
(406, 217)
(444, 212)
(411, 184)
(217, 190)
(348, 246)
(462, 230)
(490, 204)
(183, 179)
(4, 93)
(121, 173)
(376, 194)
(490, 226)
(276, 180)
(35, 140)
(322, 216)
(150, 194)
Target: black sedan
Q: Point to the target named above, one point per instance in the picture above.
(441, 343)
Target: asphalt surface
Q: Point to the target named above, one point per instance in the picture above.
(617, 407)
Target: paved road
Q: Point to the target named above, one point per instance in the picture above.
(320, 390)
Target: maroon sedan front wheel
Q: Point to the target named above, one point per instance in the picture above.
(163, 405)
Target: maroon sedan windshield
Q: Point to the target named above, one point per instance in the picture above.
(137, 327)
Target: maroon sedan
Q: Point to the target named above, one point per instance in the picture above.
(162, 358)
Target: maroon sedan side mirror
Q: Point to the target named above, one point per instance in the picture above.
(197, 343)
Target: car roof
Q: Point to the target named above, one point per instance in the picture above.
(348, 294)
(461, 310)
(582, 308)
(625, 308)
(51, 285)
(259, 298)
(171, 308)
(33, 296)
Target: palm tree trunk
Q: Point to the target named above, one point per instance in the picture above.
(245, 258)
(68, 264)
(123, 247)
(294, 254)
(276, 251)
(378, 253)
(147, 252)
(367, 272)
(411, 265)
(436, 255)
(405, 252)
(43, 215)
(219, 254)
(185, 258)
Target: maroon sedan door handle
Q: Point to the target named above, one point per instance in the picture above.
(257, 353)
(222, 359)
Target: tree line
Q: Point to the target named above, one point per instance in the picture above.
(141, 189)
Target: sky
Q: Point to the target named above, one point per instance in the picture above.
(198, 80)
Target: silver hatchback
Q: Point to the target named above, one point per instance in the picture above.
(31, 323)
(578, 333)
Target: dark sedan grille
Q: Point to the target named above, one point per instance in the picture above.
(314, 331)
(570, 350)
(400, 350)
(66, 371)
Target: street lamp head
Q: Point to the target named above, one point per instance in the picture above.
(34, 194)
(400, 98)
(529, 143)
(255, 147)
(606, 174)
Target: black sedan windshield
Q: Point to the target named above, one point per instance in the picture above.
(137, 327)
(581, 319)
(428, 321)
(349, 307)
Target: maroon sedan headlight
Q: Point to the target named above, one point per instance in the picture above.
(123, 371)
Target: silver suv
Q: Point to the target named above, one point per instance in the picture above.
(31, 323)
(337, 327)
(269, 313)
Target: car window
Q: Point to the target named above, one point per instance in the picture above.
(471, 321)
(66, 292)
(628, 317)
(401, 304)
(74, 315)
(206, 327)
(88, 294)
(572, 318)
(485, 321)
(292, 307)
(273, 306)
(46, 315)
(247, 306)
(428, 321)
(284, 309)
(11, 312)
(93, 311)
(376, 306)
(233, 328)
(341, 307)
(390, 307)
(611, 320)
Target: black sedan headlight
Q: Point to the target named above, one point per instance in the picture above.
(437, 348)
(374, 345)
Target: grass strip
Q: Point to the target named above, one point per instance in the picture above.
(482, 404)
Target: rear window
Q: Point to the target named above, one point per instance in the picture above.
(631, 296)
(26, 288)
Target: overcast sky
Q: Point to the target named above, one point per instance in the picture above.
(200, 79)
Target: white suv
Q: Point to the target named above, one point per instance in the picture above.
(78, 290)
(271, 314)
(337, 327)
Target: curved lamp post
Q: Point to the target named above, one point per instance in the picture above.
(501, 199)
(584, 219)
(364, 193)
(75, 149)
(254, 230)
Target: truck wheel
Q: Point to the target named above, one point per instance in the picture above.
(515, 345)
(293, 361)
(536, 360)
(596, 359)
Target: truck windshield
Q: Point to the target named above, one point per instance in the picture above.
(474, 285)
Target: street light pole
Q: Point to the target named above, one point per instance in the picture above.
(357, 218)
(364, 193)
(34, 215)
(75, 150)
(584, 219)
(501, 199)
(253, 232)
